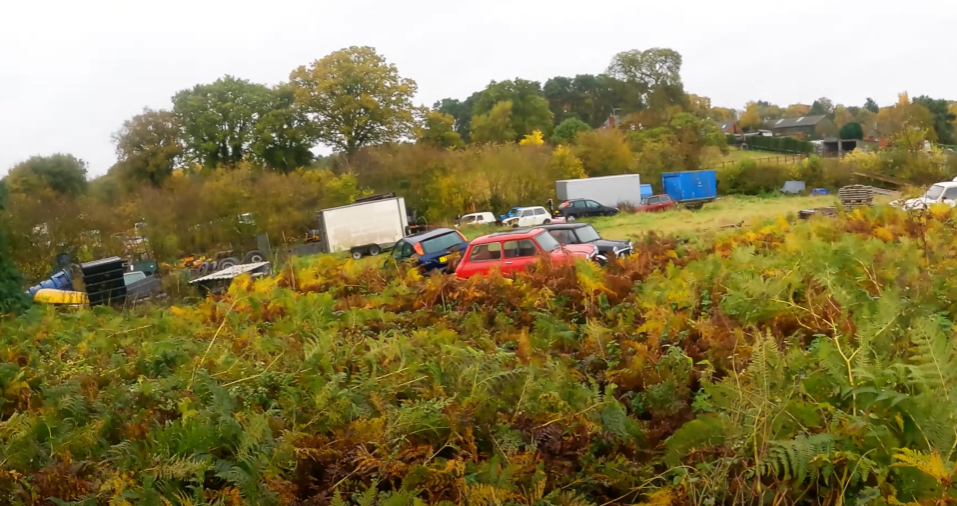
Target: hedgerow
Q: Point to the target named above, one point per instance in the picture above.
(790, 363)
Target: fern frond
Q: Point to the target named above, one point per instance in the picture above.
(932, 464)
(802, 457)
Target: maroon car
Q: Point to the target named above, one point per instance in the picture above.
(655, 203)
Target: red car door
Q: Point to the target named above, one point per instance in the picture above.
(481, 259)
(518, 255)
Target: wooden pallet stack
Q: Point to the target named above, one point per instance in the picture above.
(851, 197)
(856, 195)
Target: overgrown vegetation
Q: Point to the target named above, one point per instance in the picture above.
(791, 363)
(12, 299)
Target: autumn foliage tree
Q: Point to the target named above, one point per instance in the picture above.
(529, 110)
(796, 111)
(604, 152)
(751, 119)
(438, 129)
(905, 119)
(495, 125)
(148, 147)
(355, 98)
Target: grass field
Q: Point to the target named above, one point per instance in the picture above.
(713, 216)
(736, 155)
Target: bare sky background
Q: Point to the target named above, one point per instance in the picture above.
(72, 71)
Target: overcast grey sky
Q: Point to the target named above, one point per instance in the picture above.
(72, 71)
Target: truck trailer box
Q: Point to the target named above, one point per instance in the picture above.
(363, 228)
(607, 190)
(693, 186)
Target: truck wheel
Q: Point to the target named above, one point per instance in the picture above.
(227, 263)
(374, 250)
(356, 254)
(254, 256)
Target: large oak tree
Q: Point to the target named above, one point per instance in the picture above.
(219, 119)
(354, 98)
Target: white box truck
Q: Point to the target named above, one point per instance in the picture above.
(608, 190)
(367, 227)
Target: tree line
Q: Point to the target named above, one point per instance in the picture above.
(935, 118)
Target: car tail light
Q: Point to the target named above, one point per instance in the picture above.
(563, 205)
(418, 249)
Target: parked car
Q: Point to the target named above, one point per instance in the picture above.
(583, 233)
(475, 219)
(656, 203)
(528, 217)
(430, 250)
(510, 214)
(514, 251)
(580, 208)
(944, 192)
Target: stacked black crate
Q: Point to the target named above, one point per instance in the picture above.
(104, 281)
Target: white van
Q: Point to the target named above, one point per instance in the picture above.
(475, 219)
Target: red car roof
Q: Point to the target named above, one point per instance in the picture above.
(515, 235)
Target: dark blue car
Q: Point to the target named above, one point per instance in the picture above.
(430, 250)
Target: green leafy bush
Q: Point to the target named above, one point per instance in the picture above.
(748, 177)
(779, 144)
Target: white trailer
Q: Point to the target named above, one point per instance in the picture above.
(608, 190)
(363, 228)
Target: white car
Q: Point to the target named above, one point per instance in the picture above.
(475, 219)
(938, 193)
(529, 217)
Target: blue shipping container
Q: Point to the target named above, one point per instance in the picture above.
(690, 185)
(646, 191)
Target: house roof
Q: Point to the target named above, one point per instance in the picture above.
(794, 122)
(726, 126)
